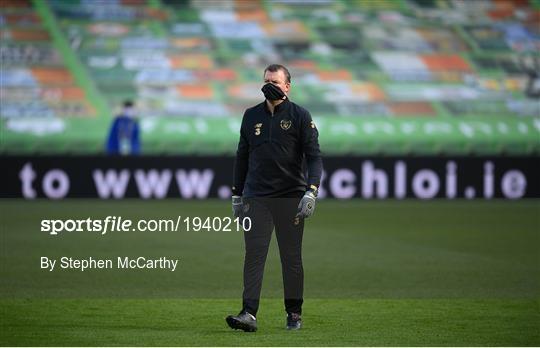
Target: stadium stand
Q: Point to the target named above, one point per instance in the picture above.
(379, 77)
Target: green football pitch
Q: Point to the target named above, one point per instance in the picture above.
(432, 273)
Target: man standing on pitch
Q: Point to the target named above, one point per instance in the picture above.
(271, 188)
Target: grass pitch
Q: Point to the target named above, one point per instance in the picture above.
(442, 273)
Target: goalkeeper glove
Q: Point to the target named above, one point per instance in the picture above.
(307, 203)
(237, 205)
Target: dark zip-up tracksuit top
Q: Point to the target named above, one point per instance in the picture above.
(271, 151)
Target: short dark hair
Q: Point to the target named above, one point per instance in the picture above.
(276, 67)
(128, 103)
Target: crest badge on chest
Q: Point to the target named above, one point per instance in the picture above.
(285, 124)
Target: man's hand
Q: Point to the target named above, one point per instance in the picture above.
(307, 205)
(237, 205)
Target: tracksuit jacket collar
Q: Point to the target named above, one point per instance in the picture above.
(278, 108)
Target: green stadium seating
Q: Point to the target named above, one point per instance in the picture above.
(379, 77)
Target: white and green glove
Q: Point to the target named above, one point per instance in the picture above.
(237, 205)
(307, 204)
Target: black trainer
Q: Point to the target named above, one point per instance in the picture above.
(294, 321)
(243, 321)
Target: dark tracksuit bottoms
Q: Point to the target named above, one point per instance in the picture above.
(265, 214)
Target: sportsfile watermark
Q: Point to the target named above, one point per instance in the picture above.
(120, 224)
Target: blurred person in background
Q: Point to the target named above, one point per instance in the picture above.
(124, 133)
(271, 188)
(532, 69)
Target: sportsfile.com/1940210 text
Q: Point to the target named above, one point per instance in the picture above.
(120, 224)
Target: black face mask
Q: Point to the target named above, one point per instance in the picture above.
(272, 92)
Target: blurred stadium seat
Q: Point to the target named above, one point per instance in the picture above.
(380, 77)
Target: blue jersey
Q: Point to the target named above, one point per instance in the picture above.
(124, 136)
